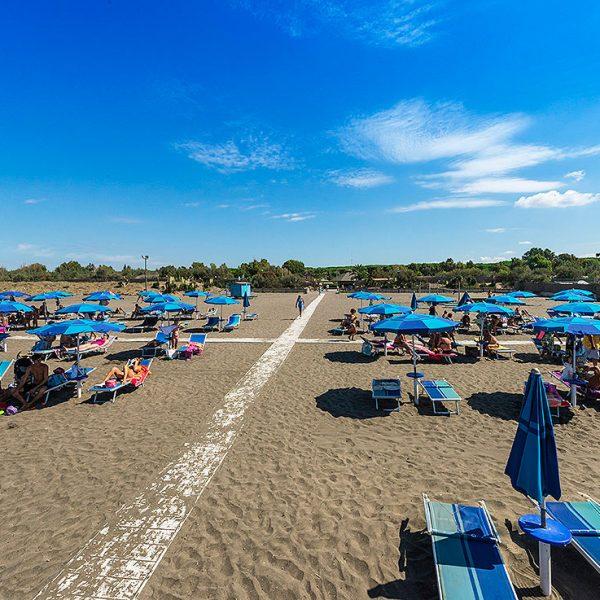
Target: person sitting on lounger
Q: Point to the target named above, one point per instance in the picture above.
(466, 321)
(593, 379)
(490, 342)
(444, 343)
(129, 371)
(33, 384)
(432, 310)
(401, 344)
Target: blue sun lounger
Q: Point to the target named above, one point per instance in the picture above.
(233, 322)
(386, 389)
(212, 324)
(4, 367)
(439, 391)
(161, 339)
(194, 346)
(582, 519)
(104, 389)
(72, 376)
(466, 552)
(250, 316)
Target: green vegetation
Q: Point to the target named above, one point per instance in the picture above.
(536, 265)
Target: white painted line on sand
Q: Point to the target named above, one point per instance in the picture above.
(120, 559)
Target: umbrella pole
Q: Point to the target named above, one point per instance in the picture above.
(544, 557)
(415, 386)
(385, 344)
(573, 386)
(481, 340)
(77, 365)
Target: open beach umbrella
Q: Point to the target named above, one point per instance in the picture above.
(7, 307)
(522, 294)
(160, 307)
(572, 297)
(83, 309)
(576, 291)
(413, 302)
(484, 308)
(162, 298)
(103, 296)
(75, 327)
(465, 299)
(146, 293)
(576, 326)
(506, 299)
(12, 295)
(435, 299)
(57, 294)
(414, 324)
(533, 470)
(221, 301)
(577, 308)
(384, 309)
(197, 294)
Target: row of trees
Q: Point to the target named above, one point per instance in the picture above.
(536, 265)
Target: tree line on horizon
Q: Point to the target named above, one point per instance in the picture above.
(539, 265)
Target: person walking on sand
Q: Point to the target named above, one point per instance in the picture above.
(300, 304)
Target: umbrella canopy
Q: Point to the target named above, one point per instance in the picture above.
(577, 308)
(77, 326)
(384, 309)
(522, 294)
(161, 307)
(413, 302)
(572, 325)
(435, 299)
(102, 296)
(12, 294)
(465, 299)
(533, 463)
(578, 291)
(572, 297)
(162, 298)
(82, 309)
(221, 300)
(364, 295)
(485, 308)
(506, 299)
(146, 293)
(196, 294)
(7, 307)
(50, 296)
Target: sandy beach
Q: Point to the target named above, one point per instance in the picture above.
(319, 495)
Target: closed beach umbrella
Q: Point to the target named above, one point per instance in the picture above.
(83, 309)
(221, 301)
(246, 301)
(533, 465)
(103, 296)
(506, 299)
(435, 299)
(577, 308)
(522, 294)
(7, 307)
(75, 327)
(465, 299)
(576, 326)
(484, 308)
(413, 302)
(414, 324)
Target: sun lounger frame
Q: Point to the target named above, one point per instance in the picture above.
(378, 392)
(440, 385)
(101, 389)
(194, 339)
(5, 366)
(67, 382)
(233, 322)
(72, 352)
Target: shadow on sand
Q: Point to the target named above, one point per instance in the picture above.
(416, 564)
(349, 357)
(124, 355)
(352, 403)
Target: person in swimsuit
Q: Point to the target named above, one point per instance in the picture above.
(129, 371)
(33, 385)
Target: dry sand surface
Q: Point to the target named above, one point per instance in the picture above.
(320, 495)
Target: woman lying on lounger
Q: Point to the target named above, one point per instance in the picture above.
(129, 372)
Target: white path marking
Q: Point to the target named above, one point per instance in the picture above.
(120, 559)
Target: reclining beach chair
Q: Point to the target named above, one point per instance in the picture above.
(4, 335)
(5, 366)
(386, 389)
(194, 347)
(212, 324)
(250, 316)
(44, 348)
(72, 376)
(497, 352)
(466, 552)
(148, 324)
(98, 346)
(582, 519)
(424, 353)
(161, 339)
(233, 322)
(134, 383)
(439, 391)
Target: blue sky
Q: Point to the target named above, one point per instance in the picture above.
(331, 131)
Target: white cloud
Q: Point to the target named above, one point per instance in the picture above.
(223, 205)
(295, 217)
(34, 250)
(506, 185)
(575, 175)
(232, 157)
(556, 199)
(125, 220)
(99, 257)
(525, 243)
(445, 204)
(191, 204)
(493, 259)
(32, 201)
(496, 230)
(379, 22)
(360, 178)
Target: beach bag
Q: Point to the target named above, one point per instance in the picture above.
(367, 348)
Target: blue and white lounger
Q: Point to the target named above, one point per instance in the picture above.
(102, 388)
(439, 391)
(233, 322)
(250, 316)
(386, 389)
(582, 519)
(5, 366)
(161, 339)
(212, 324)
(72, 376)
(193, 347)
(466, 552)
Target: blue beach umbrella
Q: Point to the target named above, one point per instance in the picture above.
(55, 295)
(414, 324)
(506, 299)
(196, 294)
(246, 301)
(162, 298)
(522, 294)
(435, 299)
(575, 291)
(221, 301)
(533, 469)
(83, 309)
(160, 307)
(572, 297)
(577, 308)
(413, 302)
(12, 295)
(103, 296)
(384, 309)
(364, 295)
(484, 308)
(7, 307)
